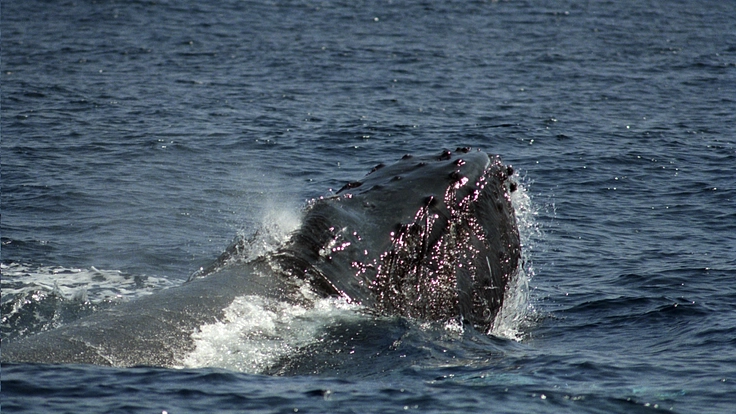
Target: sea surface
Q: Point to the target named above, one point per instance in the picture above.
(140, 138)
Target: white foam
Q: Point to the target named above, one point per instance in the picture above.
(80, 284)
(258, 331)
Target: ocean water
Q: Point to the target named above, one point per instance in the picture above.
(139, 138)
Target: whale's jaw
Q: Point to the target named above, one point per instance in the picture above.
(429, 237)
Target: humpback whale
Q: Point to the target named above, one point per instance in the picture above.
(430, 237)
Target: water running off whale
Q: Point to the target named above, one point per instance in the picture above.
(429, 237)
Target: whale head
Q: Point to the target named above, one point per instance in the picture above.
(430, 237)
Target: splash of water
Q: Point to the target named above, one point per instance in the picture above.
(257, 331)
(277, 222)
(517, 307)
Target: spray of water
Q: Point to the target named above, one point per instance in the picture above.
(517, 307)
(278, 221)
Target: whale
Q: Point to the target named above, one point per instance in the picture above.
(429, 238)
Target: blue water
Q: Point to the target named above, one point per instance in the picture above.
(139, 138)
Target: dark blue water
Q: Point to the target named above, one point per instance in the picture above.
(139, 138)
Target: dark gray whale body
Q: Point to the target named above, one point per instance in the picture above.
(429, 237)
